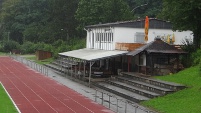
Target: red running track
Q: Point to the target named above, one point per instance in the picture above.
(33, 92)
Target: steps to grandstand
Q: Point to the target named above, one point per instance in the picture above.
(134, 87)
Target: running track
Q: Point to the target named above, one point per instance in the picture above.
(33, 92)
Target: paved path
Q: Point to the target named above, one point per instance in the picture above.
(33, 92)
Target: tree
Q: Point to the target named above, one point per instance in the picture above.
(39, 20)
(102, 11)
(19, 15)
(184, 15)
(62, 19)
(142, 8)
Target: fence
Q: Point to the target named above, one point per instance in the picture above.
(108, 100)
(40, 68)
(118, 105)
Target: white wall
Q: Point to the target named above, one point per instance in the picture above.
(126, 35)
(179, 36)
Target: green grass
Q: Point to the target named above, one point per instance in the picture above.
(184, 101)
(33, 58)
(2, 54)
(6, 105)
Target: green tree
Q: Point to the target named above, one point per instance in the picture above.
(185, 15)
(39, 20)
(62, 22)
(19, 15)
(102, 11)
(142, 8)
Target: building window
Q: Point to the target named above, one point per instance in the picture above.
(104, 37)
(139, 37)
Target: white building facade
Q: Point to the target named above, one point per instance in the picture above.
(105, 36)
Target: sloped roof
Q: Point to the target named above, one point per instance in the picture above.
(157, 46)
(153, 23)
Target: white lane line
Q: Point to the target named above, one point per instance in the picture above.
(63, 94)
(11, 98)
(43, 90)
(66, 96)
(36, 95)
(19, 89)
(75, 101)
(24, 96)
(50, 95)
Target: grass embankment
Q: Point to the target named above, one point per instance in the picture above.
(184, 101)
(6, 105)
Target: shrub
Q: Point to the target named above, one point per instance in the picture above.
(196, 56)
(8, 46)
(28, 47)
(200, 68)
(188, 46)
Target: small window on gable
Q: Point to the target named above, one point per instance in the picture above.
(139, 37)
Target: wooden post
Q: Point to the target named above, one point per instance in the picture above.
(122, 63)
(177, 62)
(151, 64)
(129, 60)
(139, 63)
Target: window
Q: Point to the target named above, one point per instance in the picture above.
(139, 37)
(104, 37)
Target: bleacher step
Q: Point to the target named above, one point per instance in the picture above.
(134, 89)
(156, 82)
(121, 92)
(144, 85)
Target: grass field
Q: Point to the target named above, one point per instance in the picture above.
(33, 58)
(6, 105)
(184, 101)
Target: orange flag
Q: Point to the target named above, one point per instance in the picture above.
(146, 27)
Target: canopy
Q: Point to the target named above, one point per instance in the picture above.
(92, 54)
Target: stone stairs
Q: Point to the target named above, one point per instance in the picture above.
(134, 87)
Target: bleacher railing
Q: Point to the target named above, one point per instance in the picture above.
(118, 105)
(106, 99)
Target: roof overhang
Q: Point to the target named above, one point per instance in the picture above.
(167, 52)
(92, 54)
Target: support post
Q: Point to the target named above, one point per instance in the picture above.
(84, 68)
(90, 74)
(91, 64)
